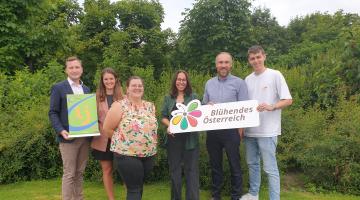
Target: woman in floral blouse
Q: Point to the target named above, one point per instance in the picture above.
(132, 126)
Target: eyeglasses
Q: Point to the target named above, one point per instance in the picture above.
(181, 80)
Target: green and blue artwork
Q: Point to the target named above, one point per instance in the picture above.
(82, 114)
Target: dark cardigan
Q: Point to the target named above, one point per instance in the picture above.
(192, 141)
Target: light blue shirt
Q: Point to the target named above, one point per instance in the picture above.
(229, 89)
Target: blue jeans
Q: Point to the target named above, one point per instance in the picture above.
(266, 148)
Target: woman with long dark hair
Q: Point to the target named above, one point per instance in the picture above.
(182, 148)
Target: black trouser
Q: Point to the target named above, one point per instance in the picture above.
(177, 154)
(229, 140)
(133, 171)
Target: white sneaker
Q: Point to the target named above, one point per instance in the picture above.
(249, 196)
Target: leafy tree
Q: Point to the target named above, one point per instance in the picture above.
(266, 32)
(329, 58)
(93, 34)
(33, 32)
(314, 34)
(13, 19)
(138, 41)
(212, 26)
(350, 70)
(144, 14)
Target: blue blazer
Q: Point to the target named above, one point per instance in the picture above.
(58, 114)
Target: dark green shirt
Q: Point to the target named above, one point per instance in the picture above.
(192, 140)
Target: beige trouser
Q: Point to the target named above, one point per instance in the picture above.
(74, 156)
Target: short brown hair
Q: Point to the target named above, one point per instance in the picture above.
(225, 53)
(72, 58)
(132, 78)
(255, 49)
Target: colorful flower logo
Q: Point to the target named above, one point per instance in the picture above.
(186, 115)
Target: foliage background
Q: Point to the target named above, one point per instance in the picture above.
(318, 54)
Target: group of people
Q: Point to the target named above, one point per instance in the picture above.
(128, 128)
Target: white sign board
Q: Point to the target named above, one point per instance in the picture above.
(197, 117)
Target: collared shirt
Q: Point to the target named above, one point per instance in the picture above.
(229, 89)
(76, 88)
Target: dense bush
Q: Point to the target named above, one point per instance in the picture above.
(27, 146)
(332, 161)
(299, 129)
(318, 54)
(31, 153)
(321, 144)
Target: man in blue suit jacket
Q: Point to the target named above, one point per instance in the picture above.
(74, 152)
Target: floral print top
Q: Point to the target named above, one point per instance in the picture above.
(136, 134)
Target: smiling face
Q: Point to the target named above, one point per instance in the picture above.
(109, 81)
(74, 70)
(257, 61)
(181, 82)
(223, 64)
(135, 89)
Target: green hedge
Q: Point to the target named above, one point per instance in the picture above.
(332, 161)
(321, 144)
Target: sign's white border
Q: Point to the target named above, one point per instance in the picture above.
(231, 115)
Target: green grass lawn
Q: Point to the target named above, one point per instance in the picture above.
(50, 190)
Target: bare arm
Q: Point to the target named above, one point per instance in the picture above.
(279, 105)
(283, 103)
(241, 132)
(112, 119)
(165, 122)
